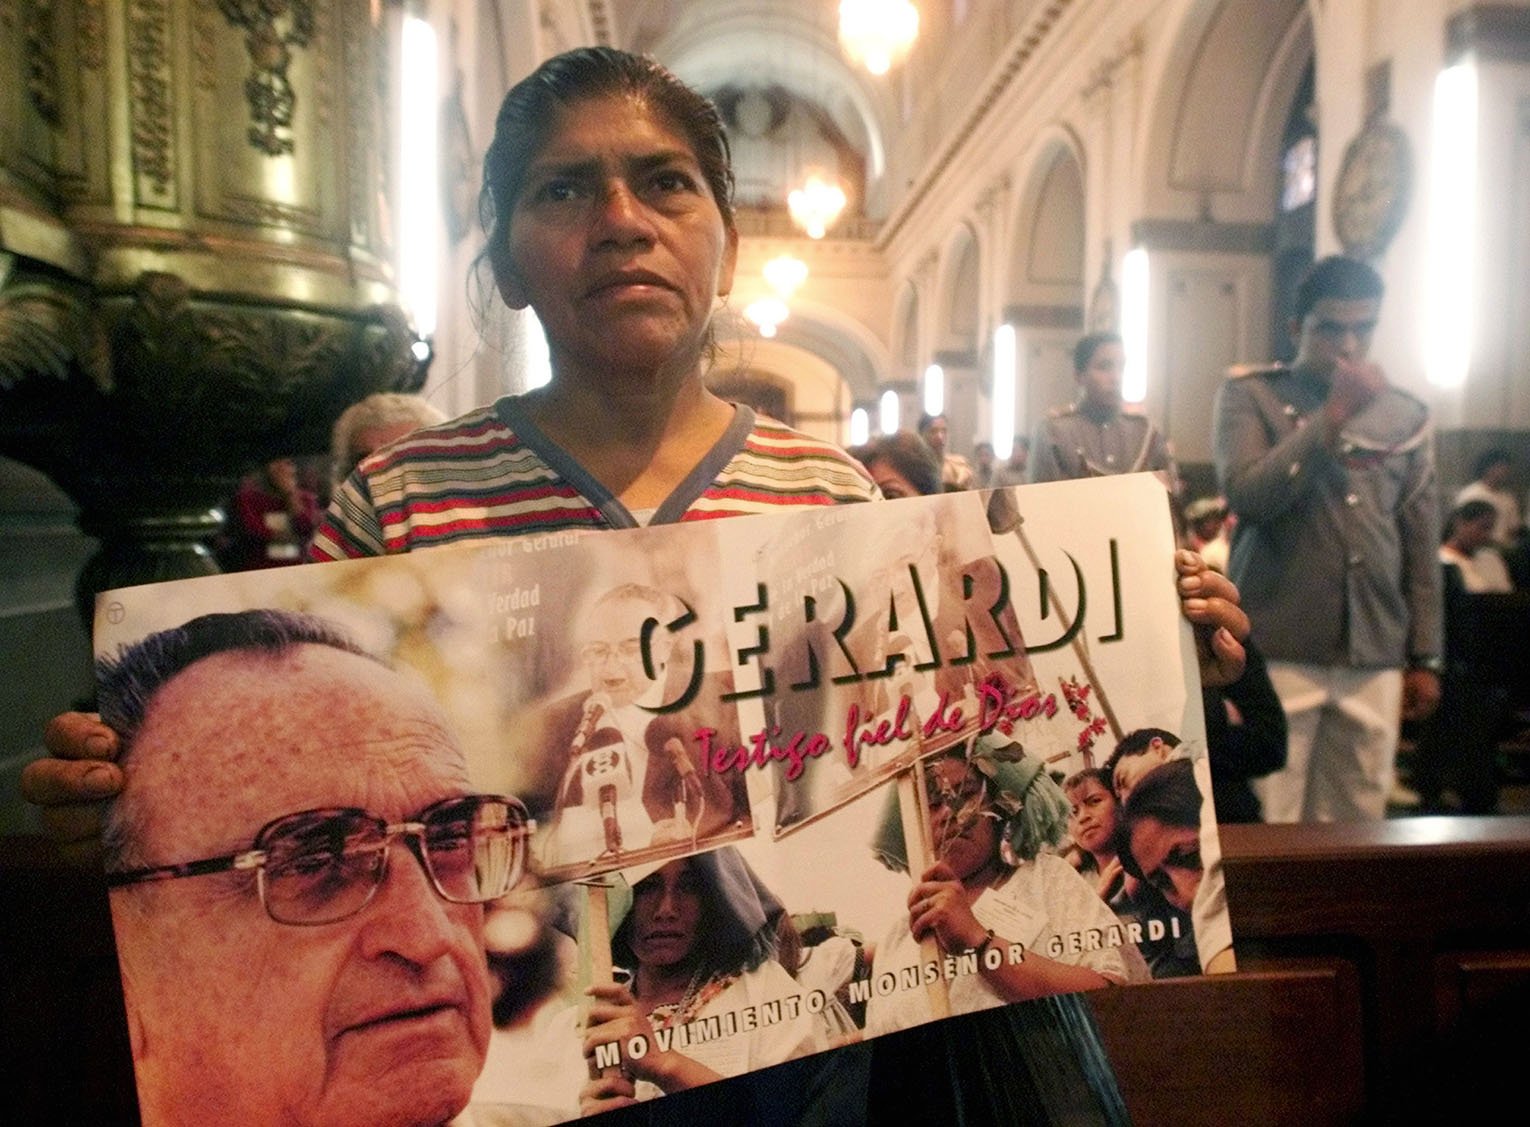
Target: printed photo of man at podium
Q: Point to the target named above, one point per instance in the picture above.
(630, 777)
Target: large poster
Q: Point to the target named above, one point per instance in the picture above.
(522, 829)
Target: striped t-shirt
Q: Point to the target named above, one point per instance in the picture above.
(494, 473)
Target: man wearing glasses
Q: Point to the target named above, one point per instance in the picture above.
(630, 774)
(298, 868)
(1330, 470)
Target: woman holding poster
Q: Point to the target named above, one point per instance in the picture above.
(706, 996)
(607, 198)
(1011, 918)
(608, 203)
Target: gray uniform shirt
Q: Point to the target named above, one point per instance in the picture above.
(1334, 551)
(1084, 442)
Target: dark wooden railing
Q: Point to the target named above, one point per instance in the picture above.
(1385, 977)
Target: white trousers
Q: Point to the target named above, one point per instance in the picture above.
(1342, 744)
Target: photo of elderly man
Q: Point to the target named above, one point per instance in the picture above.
(298, 866)
(632, 776)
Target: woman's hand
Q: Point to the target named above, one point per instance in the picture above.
(938, 905)
(606, 1093)
(615, 1017)
(73, 783)
(1209, 602)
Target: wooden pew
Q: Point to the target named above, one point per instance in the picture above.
(1386, 978)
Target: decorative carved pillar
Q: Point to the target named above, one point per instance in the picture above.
(193, 253)
(1112, 98)
(924, 278)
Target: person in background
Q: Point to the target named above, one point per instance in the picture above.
(982, 465)
(1330, 470)
(955, 471)
(1015, 471)
(367, 426)
(1470, 549)
(270, 519)
(1457, 747)
(1491, 483)
(1095, 436)
(903, 465)
(1206, 524)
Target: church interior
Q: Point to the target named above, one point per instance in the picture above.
(221, 224)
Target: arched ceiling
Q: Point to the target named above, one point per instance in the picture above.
(790, 44)
(827, 333)
(1225, 89)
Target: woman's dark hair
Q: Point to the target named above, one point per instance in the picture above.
(1090, 774)
(1169, 793)
(1084, 350)
(528, 111)
(911, 456)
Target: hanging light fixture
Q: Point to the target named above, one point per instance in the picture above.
(785, 274)
(877, 33)
(766, 314)
(816, 205)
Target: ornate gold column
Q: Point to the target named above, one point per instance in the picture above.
(194, 204)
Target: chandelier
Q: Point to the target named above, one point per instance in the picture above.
(785, 274)
(766, 313)
(877, 33)
(816, 205)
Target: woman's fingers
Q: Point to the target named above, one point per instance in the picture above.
(1209, 601)
(72, 783)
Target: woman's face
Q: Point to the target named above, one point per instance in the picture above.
(617, 243)
(1170, 859)
(965, 833)
(1091, 816)
(666, 914)
(892, 484)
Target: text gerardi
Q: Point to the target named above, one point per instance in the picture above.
(838, 642)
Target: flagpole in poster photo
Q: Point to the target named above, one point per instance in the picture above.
(527, 828)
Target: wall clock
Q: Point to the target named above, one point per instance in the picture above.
(1372, 191)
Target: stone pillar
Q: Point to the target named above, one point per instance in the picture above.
(194, 250)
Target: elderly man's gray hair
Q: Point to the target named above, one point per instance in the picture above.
(128, 681)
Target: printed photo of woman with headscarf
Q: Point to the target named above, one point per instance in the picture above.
(705, 996)
(997, 889)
